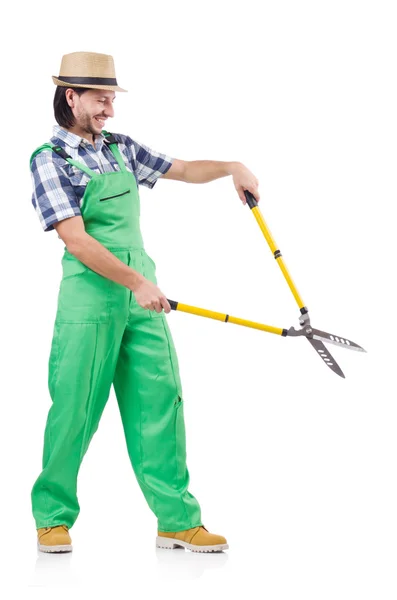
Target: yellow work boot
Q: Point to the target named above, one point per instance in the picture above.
(197, 539)
(54, 539)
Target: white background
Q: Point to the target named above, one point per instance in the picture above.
(294, 465)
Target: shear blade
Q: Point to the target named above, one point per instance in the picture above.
(336, 339)
(326, 356)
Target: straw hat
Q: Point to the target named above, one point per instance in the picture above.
(89, 70)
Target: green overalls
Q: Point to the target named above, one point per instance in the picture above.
(103, 336)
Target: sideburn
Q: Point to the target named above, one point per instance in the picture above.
(62, 111)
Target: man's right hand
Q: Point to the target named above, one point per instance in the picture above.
(150, 297)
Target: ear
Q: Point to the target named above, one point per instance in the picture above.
(69, 95)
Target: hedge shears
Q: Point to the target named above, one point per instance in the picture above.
(316, 337)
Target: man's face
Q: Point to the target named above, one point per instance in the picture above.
(92, 108)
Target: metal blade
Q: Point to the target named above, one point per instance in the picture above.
(326, 356)
(336, 339)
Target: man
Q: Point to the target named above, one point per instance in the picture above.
(110, 325)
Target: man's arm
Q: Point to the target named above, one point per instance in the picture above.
(202, 171)
(93, 254)
(99, 259)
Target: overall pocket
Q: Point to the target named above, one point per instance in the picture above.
(180, 438)
(84, 295)
(149, 271)
(149, 267)
(115, 196)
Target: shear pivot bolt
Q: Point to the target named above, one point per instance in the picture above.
(309, 330)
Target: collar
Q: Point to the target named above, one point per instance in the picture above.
(74, 141)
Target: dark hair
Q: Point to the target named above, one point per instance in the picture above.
(62, 111)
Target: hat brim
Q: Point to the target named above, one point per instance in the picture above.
(114, 88)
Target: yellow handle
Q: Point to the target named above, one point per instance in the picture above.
(202, 312)
(252, 203)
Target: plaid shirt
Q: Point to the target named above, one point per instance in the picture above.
(58, 186)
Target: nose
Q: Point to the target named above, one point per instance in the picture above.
(109, 110)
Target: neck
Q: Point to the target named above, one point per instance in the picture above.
(81, 133)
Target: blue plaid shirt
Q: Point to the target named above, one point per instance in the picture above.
(58, 186)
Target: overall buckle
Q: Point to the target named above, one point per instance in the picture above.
(109, 138)
(61, 152)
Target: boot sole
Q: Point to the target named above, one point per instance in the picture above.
(60, 548)
(170, 544)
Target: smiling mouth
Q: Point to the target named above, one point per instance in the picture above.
(100, 121)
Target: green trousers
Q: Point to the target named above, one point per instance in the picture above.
(102, 336)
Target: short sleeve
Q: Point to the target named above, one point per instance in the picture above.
(148, 164)
(54, 198)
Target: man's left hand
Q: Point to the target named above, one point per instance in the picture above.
(243, 179)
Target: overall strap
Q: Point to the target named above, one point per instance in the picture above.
(61, 152)
(112, 143)
(39, 149)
